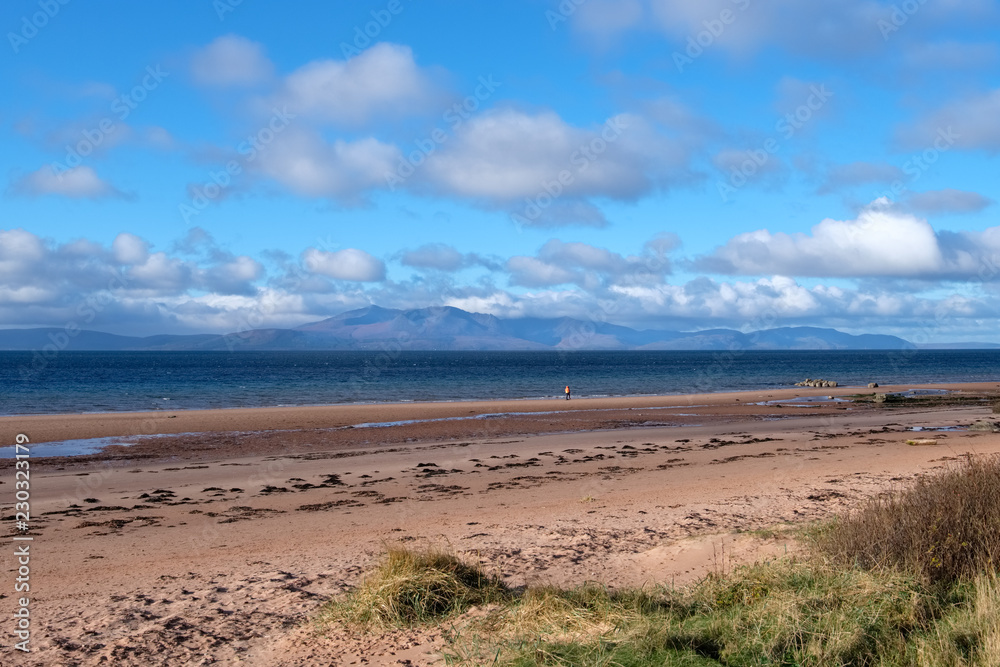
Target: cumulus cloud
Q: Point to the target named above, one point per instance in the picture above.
(127, 286)
(235, 276)
(76, 183)
(231, 60)
(507, 155)
(384, 80)
(348, 264)
(882, 241)
(63, 278)
(307, 164)
(747, 305)
(130, 249)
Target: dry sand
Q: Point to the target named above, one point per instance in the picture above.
(219, 546)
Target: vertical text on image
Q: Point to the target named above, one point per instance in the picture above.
(22, 546)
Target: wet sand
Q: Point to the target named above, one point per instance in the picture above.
(220, 547)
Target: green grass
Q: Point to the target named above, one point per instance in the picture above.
(909, 579)
(785, 613)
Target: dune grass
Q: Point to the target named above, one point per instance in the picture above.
(910, 578)
(413, 587)
(783, 613)
(944, 528)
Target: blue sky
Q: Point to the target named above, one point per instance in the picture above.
(209, 166)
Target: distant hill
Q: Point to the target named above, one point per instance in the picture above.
(446, 328)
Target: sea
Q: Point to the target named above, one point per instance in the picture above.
(75, 382)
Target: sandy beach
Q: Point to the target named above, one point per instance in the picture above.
(219, 541)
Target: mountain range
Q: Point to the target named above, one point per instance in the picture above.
(447, 328)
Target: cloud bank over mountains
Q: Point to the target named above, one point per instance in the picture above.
(198, 286)
(678, 163)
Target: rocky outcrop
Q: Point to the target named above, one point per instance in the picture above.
(809, 382)
(873, 385)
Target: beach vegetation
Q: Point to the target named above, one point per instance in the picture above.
(410, 587)
(908, 578)
(943, 528)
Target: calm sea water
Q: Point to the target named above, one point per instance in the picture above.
(123, 381)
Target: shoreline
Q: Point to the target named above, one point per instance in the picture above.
(197, 434)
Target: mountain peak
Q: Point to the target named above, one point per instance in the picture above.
(449, 328)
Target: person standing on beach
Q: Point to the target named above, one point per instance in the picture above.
(567, 392)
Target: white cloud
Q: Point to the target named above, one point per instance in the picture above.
(882, 241)
(205, 288)
(231, 60)
(348, 264)
(71, 275)
(236, 276)
(384, 80)
(130, 249)
(77, 183)
(308, 165)
(879, 242)
(160, 273)
(506, 155)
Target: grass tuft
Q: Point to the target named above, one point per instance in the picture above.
(412, 587)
